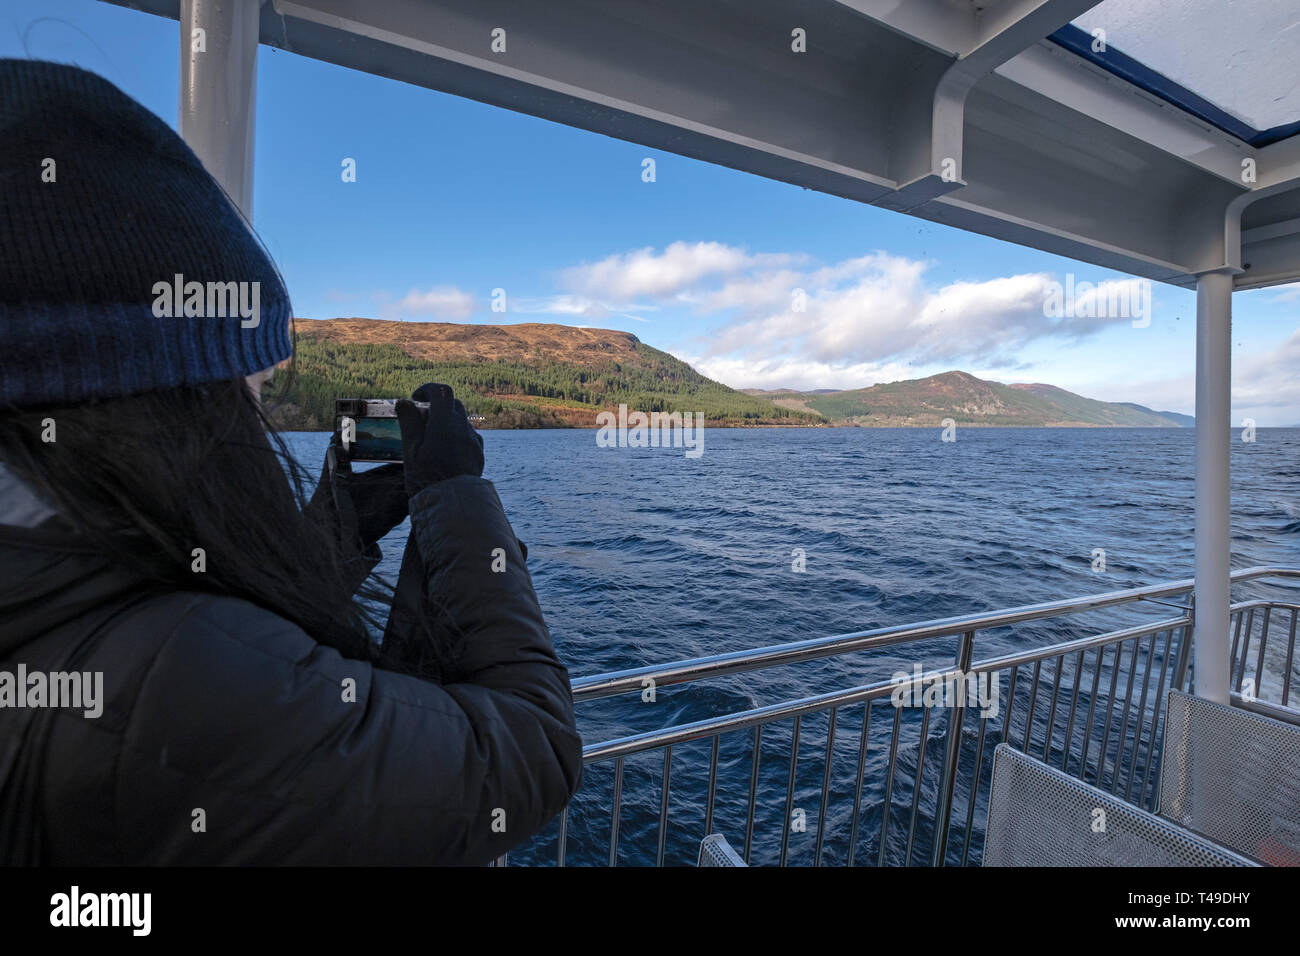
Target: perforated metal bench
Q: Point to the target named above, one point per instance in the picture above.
(716, 851)
(1233, 777)
(1039, 816)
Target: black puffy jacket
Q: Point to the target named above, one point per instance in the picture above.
(213, 704)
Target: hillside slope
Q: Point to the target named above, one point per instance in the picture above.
(530, 375)
(1093, 412)
(970, 400)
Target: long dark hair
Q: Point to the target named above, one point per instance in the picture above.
(149, 477)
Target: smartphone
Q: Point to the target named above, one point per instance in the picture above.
(366, 429)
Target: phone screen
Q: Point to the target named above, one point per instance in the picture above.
(369, 439)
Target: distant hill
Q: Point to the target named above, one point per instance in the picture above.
(536, 375)
(789, 391)
(1178, 418)
(974, 401)
(531, 375)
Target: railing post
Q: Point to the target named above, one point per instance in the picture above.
(948, 781)
(1213, 517)
(1179, 679)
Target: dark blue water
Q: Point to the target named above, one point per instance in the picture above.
(644, 556)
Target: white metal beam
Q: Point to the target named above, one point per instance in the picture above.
(1271, 263)
(998, 35)
(1057, 73)
(1017, 27)
(1277, 173)
(943, 26)
(218, 90)
(1274, 230)
(1053, 71)
(1278, 165)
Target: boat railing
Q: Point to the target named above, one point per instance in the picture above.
(1091, 705)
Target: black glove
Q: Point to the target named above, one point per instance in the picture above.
(440, 443)
(361, 506)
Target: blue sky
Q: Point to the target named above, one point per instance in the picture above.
(454, 199)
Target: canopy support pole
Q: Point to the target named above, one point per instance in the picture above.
(218, 90)
(1213, 446)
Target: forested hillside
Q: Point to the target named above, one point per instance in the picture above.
(532, 376)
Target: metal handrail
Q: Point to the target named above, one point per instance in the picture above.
(610, 684)
(654, 739)
(1126, 763)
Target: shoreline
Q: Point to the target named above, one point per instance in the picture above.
(823, 425)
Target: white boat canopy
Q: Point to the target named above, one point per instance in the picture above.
(1155, 137)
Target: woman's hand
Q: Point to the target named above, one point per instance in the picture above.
(360, 505)
(440, 443)
(379, 497)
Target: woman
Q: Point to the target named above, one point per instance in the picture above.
(150, 541)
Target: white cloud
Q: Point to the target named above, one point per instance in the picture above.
(800, 374)
(1267, 386)
(1172, 394)
(559, 305)
(578, 305)
(877, 308)
(644, 272)
(787, 321)
(1285, 293)
(440, 302)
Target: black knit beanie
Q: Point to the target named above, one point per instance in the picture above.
(124, 267)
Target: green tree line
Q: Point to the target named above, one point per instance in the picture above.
(512, 395)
